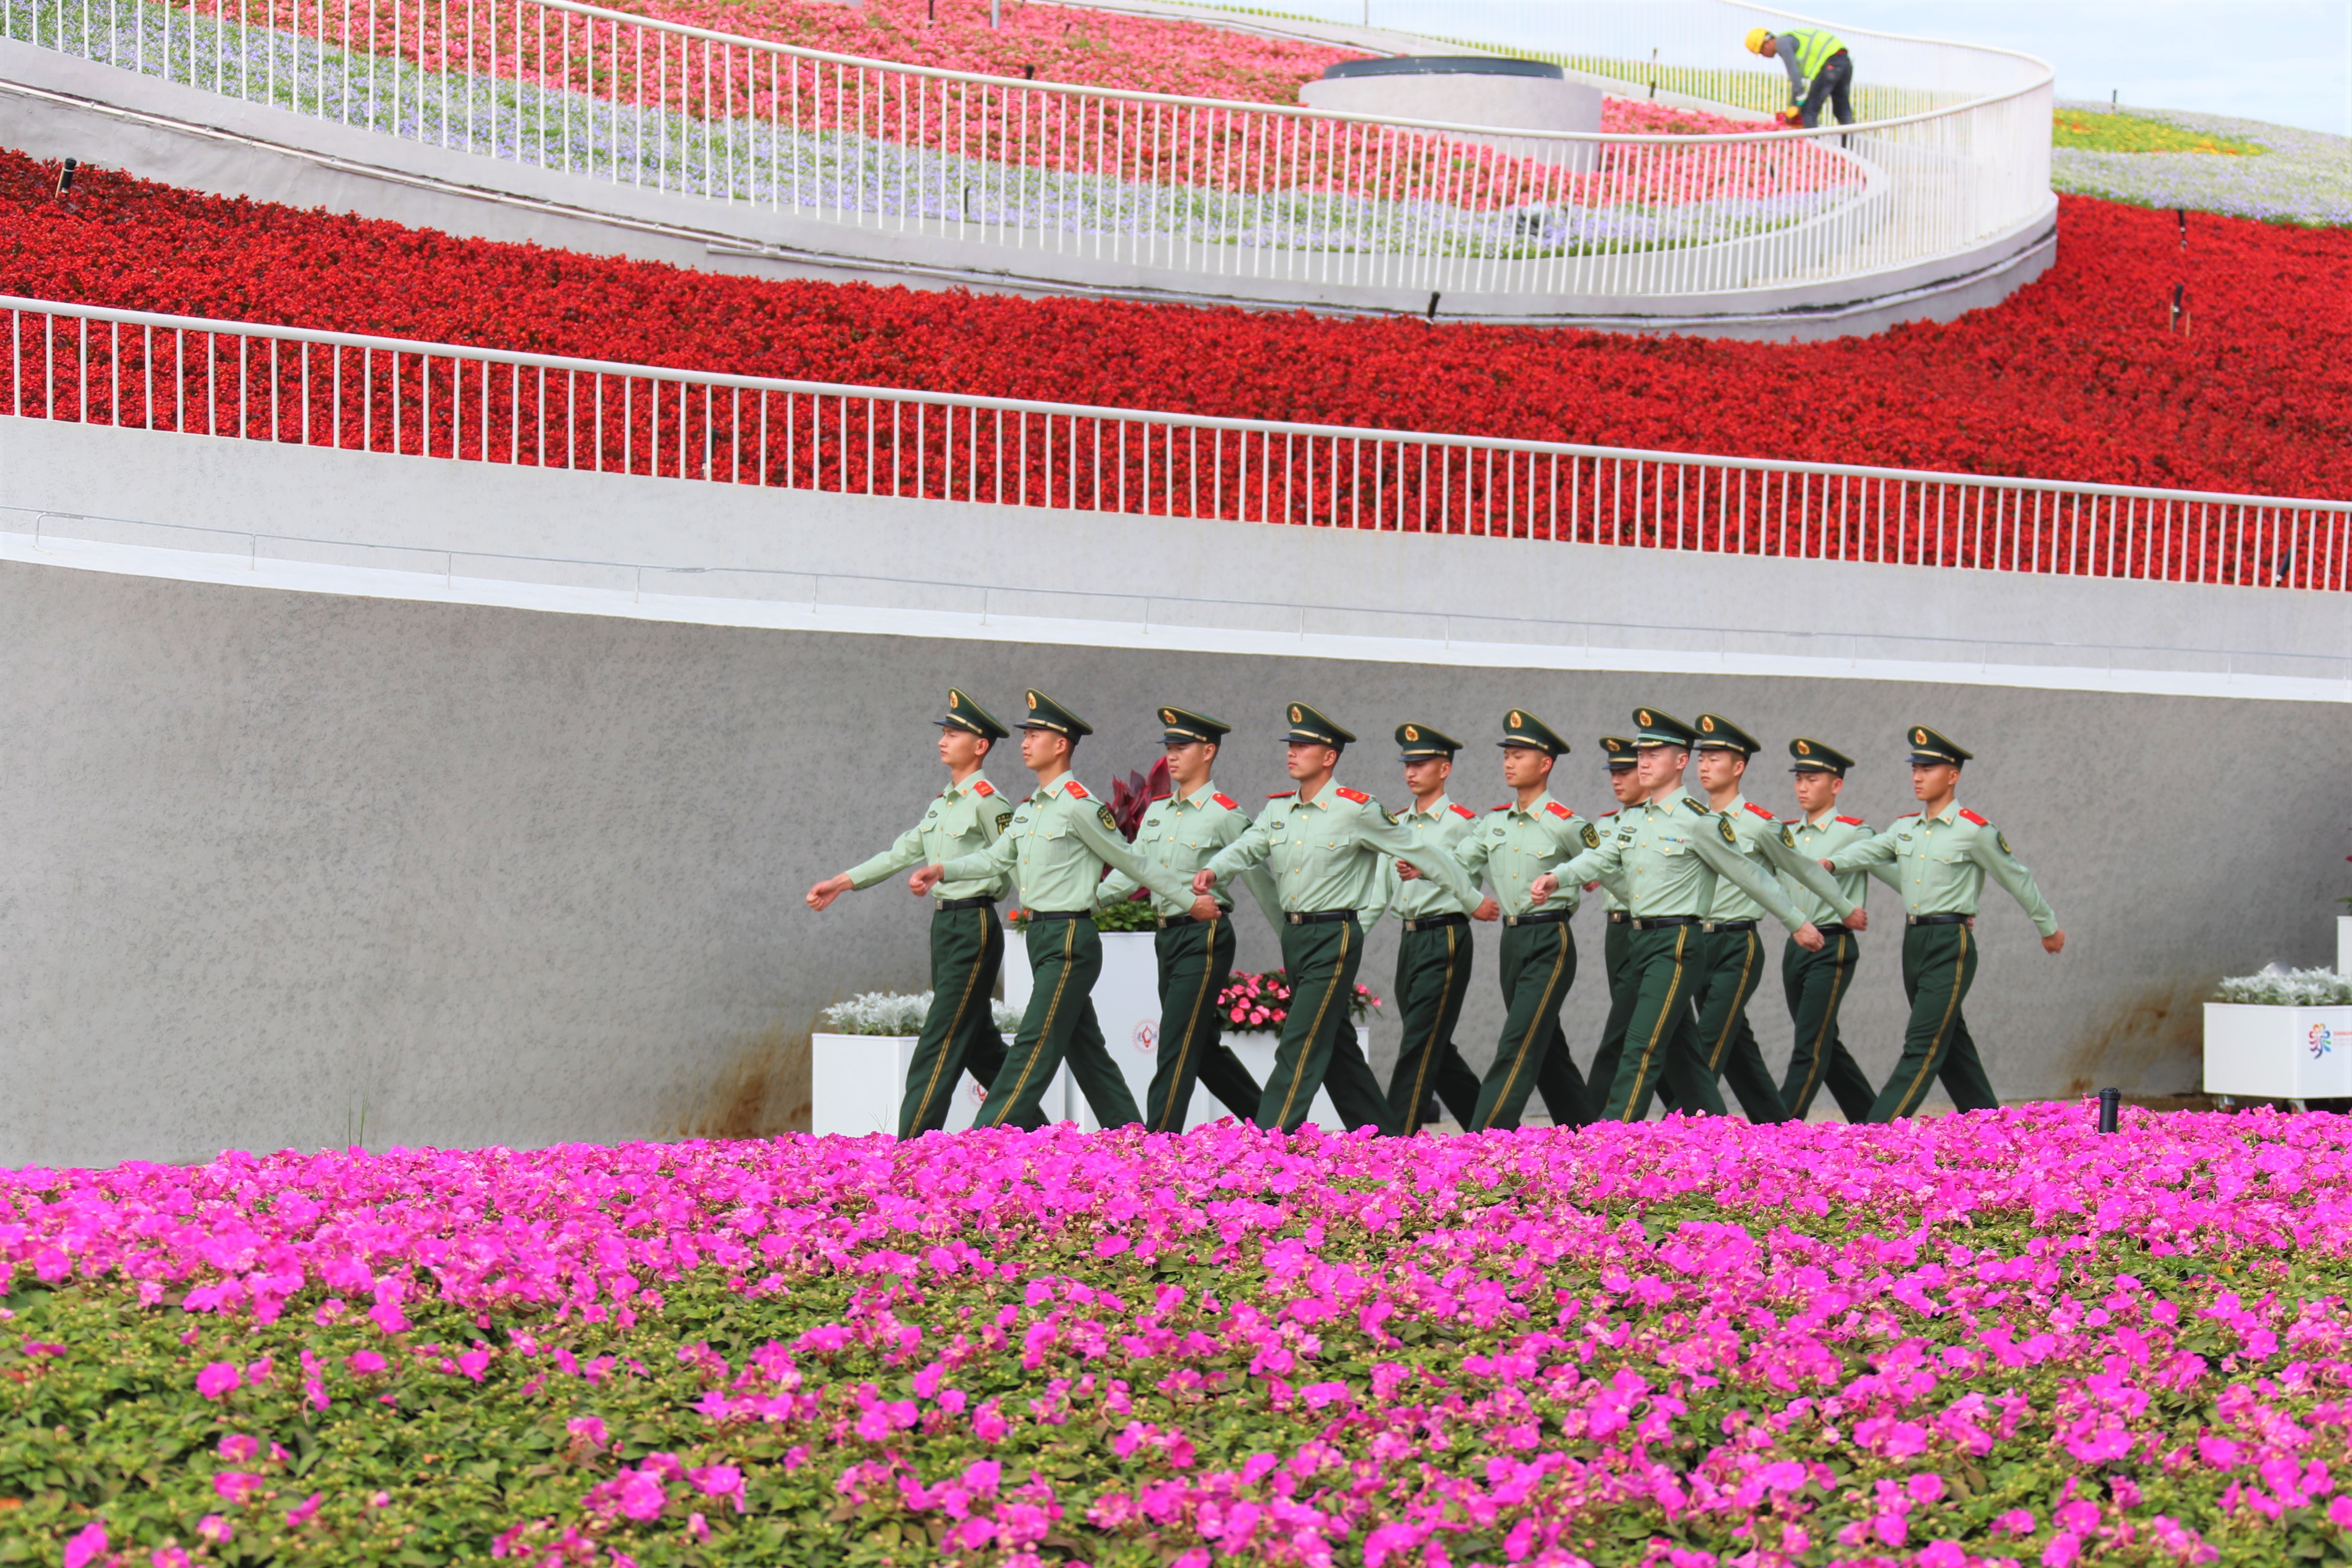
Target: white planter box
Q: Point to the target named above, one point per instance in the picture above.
(2278, 1053)
(856, 1082)
(1126, 1004)
(2344, 944)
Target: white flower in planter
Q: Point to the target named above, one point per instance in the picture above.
(2277, 986)
(898, 1013)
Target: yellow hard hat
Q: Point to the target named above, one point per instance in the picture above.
(1757, 36)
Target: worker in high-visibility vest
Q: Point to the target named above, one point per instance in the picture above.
(1818, 67)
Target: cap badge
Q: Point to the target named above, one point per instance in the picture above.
(1643, 717)
(1032, 702)
(1803, 750)
(1410, 733)
(1707, 724)
(955, 699)
(1296, 716)
(1168, 716)
(1514, 720)
(1918, 737)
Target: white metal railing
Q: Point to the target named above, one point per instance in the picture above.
(340, 390)
(1063, 174)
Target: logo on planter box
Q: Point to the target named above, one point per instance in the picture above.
(2322, 1039)
(1147, 1039)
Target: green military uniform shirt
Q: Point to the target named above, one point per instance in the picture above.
(1612, 899)
(1440, 830)
(1817, 841)
(1181, 833)
(1056, 845)
(1512, 846)
(1941, 862)
(1669, 851)
(1773, 842)
(1332, 853)
(965, 818)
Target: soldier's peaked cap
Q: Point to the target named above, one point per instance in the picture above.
(1309, 728)
(1619, 751)
(1653, 728)
(963, 713)
(1521, 728)
(1045, 713)
(1419, 743)
(1926, 746)
(1184, 725)
(1717, 733)
(1810, 756)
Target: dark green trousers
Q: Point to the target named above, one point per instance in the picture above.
(1195, 963)
(1734, 962)
(1433, 976)
(1816, 985)
(1662, 967)
(1939, 963)
(1539, 966)
(1616, 964)
(1065, 959)
(959, 1031)
(1319, 1048)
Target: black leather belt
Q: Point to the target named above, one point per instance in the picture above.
(1432, 923)
(1174, 922)
(1831, 928)
(966, 903)
(1538, 917)
(1711, 927)
(1939, 919)
(1061, 915)
(1620, 917)
(1652, 922)
(1316, 917)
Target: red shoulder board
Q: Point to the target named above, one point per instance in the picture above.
(1760, 811)
(1972, 816)
(1282, 795)
(1854, 822)
(1359, 796)
(1464, 813)
(1226, 801)
(983, 787)
(1558, 810)
(1079, 791)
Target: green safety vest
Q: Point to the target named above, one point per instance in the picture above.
(1814, 48)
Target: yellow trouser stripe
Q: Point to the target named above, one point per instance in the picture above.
(1828, 1020)
(1045, 1031)
(1731, 1019)
(1927, 1062)
(1298, 1072)
(1192, 1024)
(1665, 1018)
(1534, 1032)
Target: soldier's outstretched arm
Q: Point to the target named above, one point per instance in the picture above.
(1251, 848)
(1991, 851)
(1093, 827)
(983, 864)
(1374, 831)
(1870, 854)
(1118, 887)
(1596, 865)
(1721, 850)
(905, 851)
(1781, 849)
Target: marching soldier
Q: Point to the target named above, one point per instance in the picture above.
(1731, 953)
(1511, 848)
(1196, 956)
(1817, 982)
(1434, 956)
(1668, 851)
(967, 942)
(1616, 944)
(1056, 847)
(1941, 855)
(1327, 846)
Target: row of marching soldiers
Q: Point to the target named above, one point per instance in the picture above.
(1686, 882)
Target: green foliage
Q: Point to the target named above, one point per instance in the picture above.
(2098, 132)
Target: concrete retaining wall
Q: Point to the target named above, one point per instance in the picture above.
(293, 868)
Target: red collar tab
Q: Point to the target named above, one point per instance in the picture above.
(1359, 796)
(983, 787)
(1909, 815)
(1558, 810)
(1607, 815)
(1967, 816)
(1463, 812)
(1077, 791)
(1282, 795)
(1505, 806)
(1226, 801)
(1760, 811)
(1854, 822)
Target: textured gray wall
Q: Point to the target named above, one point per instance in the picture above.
(284, 869)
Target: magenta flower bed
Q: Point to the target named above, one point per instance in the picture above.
(1984, 1339)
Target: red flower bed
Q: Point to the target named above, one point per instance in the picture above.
(2076, 377)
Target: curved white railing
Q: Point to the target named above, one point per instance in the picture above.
(350, 392)
(1035, 175)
